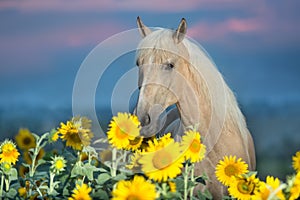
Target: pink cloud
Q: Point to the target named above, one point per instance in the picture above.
(19, 50)
(167, 6)
(221, 30)
(103, 5)
(267, 29)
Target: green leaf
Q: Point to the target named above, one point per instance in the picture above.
(119, 177)
(102, 178)
(77, 170)
(89, 170)
(11, 193)
(179, 184)
(100, 194)
(26, 165)
(207, 194)
(102, 170)
(226, 198)
(13, 174)
(40, 162)
(250, 173)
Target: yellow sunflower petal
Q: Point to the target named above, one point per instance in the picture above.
(162, 164)
(192, 147)
(81, 192)
(76, 133)
(243, 188)
(269, 187)
(123, 128)
(229, 167)
(138, 188)
(8, 152)
(296, 161)
(295, 189)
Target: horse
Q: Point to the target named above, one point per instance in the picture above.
(175, 70)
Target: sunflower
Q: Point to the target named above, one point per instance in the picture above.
(81, 192)
(134, 161)
(269, 187)
(27, 156)
(58, 164)
(8, 152)
(192, 147)
(135, 143)
(159, 143)
(22, 192)
(54, 135)
(296, 161)
(162, 162)
(138, 189)
(229, 167)
(123, 128)
(24, 139)
(295, 188)
(76, 132)
(172, 186)
(6, 167)
(23, 171)
(244, 188)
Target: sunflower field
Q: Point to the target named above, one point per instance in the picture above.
(124, 166)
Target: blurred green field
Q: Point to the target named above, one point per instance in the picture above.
(275, 131)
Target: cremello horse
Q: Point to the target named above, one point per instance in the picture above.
(174, 70)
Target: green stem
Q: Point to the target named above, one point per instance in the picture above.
(124, 156)
(186, 175)
(1, 186)
(164, 189)
(35, 154)
(6, 184)
(192, 178)
(89, 158)
(51, 186)
(114, 162)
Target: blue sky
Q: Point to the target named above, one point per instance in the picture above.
(255, 44)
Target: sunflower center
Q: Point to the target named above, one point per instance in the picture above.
(121, 132)
(59, 164)
(75, 138)
(195, 146)
(135, 141)
(161, 159)
(27, 141)
(230, 170)
(245, 187)
(132, 197)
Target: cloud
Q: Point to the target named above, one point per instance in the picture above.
(103, 5)
(265, 27)
(21, 52)
(222, 29)
(167, 6)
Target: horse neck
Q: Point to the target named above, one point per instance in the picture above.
(206, 103)
(194, 104)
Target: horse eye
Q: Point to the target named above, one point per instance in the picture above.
(170, 65)
(137, 63)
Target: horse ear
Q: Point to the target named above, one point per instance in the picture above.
(180, 32)
(144, 30)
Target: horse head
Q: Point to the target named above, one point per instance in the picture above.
(162, 59)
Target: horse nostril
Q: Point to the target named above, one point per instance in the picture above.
(145, 120)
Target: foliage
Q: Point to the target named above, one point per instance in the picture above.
(125, 165)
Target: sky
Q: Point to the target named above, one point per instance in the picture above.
(254, 43)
